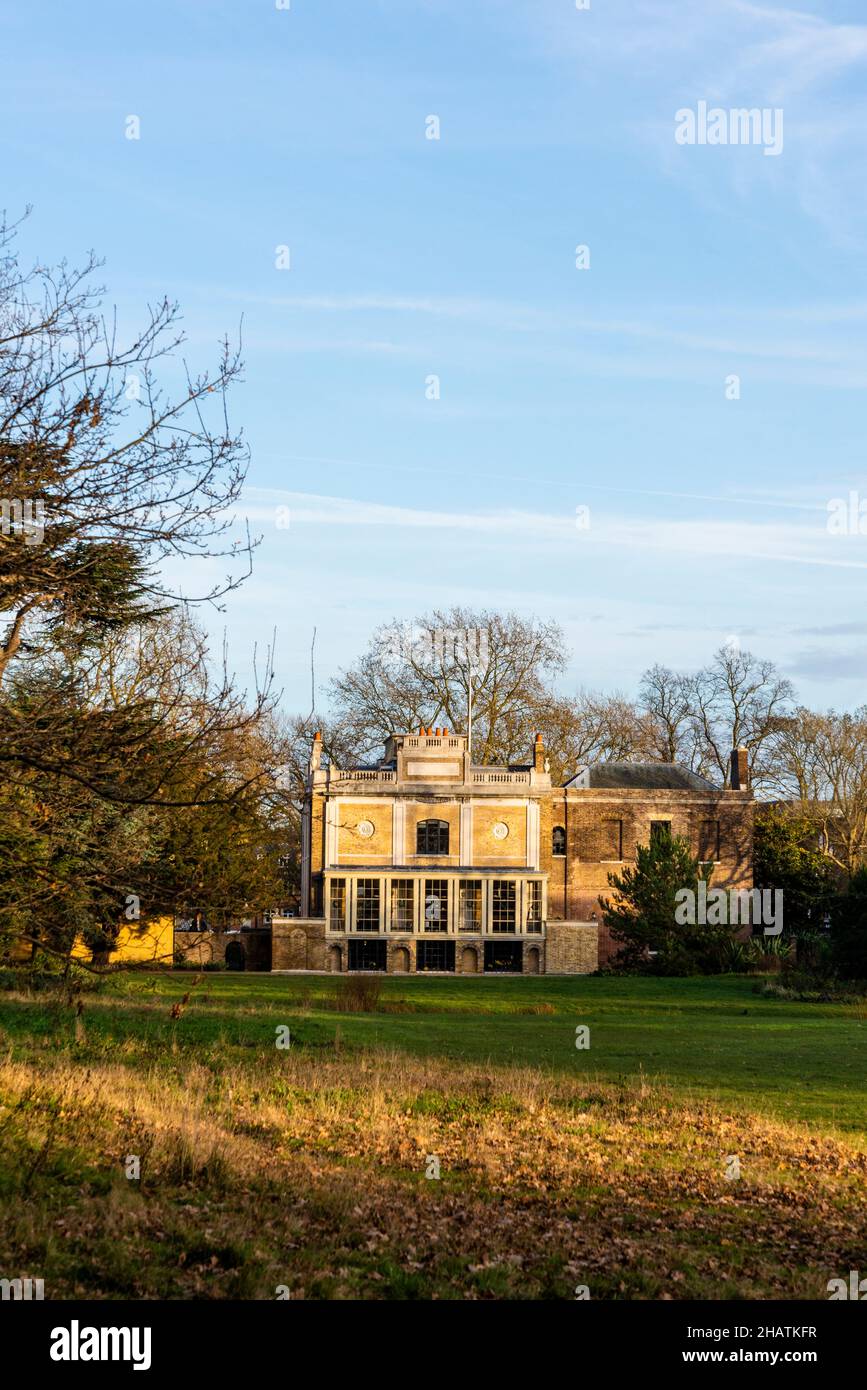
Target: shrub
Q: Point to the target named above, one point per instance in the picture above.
(359, 994)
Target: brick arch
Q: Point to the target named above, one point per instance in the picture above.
(335, 959)
(401, 960)
(534, 961)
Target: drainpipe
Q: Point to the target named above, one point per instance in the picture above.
(566, 916)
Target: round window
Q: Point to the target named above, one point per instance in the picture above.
(365, 828)
(500, 830)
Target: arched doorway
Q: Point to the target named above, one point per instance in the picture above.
(469, 961)
(334, 959)
(401, 960)
(533, 960)
(236, 956)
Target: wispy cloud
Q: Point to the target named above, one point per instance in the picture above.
(780, 542)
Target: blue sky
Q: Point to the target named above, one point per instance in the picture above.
(559, 388)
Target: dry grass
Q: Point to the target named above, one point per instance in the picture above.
(309, 1171)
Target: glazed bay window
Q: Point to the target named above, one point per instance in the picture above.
(402, 904)
(337, 905)
(534, 905)
(436, 904)
(367, 905)
(470, 905)
(503, 903)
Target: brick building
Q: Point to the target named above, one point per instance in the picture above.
(425, 863)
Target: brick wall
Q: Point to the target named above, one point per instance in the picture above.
(571, 948)
(298, 943)
(584, 813)
(209, 948)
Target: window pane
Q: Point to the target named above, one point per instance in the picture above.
(337, 909)
(367, 905)
(534, 905)
(402, 904)
(503, 905)
(432, 837)
(436, 904)
(470, 905)
(367, 955)
(659, 829)
(435, 955)
(558, 840)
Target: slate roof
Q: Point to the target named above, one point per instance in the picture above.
(641, 777)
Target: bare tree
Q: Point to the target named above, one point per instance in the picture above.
(823, 767)
(424, 674)
(98, 462)
(738, 701)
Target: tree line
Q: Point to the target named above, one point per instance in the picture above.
(135, 776)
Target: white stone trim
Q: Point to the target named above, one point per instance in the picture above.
(466, 835)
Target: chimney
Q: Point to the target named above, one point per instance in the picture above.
(740, 771)
(445, 733)
(539, 754)
(316, 752)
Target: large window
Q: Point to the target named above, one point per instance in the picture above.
(367, 905)
(367, 955)
(503, 957)
(534, 905)
(503, 905)
(436, 904)
(435, 955)
(470, 905)
(432, 837)
(558, 840)
(402, 904)
(337, 905)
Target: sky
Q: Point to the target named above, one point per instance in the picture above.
(647, 441)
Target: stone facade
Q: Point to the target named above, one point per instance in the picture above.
(426, 863)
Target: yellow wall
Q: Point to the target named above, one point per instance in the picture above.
(353, 848)
(139, 941)
(487, 849)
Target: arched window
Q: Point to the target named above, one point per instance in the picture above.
(558, 840)
(432, 837)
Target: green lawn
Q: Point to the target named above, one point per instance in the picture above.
(702, 1037)
(307, 1167)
